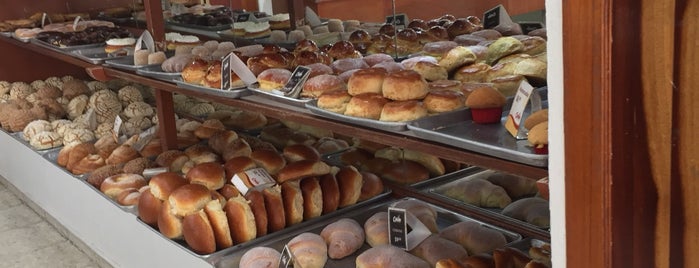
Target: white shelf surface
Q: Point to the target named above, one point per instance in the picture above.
(115, 235)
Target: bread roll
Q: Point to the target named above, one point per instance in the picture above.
(510, 257)
(376, 229)
(331, 192)
(212, 175)
(172, 159)
(349, 181)
(259, 211)
(436, 248)
(404, 85)
(516, 186)
(448, 263)
(274, 205)
(422, 211)
(221, 139)
(457, 57)
(241, 220)
(219, 224)
(237, 148)
(238, 164)
(387, 256)
(401, 171)
(88, 164)
(260, 257)
(270, 160)
(366, 81)
(478, 192)
(114, 185)
(274, 78)
(75, 153)
(309, 250)
(98, 175)
(163, 184)
(366, 105)
(302, 169)
(371, 186)
(343, 237)
(536, 118)
(198, 233)
(148, 208)
(533, 210)
(440, 101)
(298, 152)
(402, 111)
(208, 128)
(189, 199)
(316, 86)
(293, 202)
(169, 224)
(474, 237)
(122, 154)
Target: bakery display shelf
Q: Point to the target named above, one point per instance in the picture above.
(438, 190)
(278, 97)
(458, 129)
(156, 71)
(215, 257)
(126, 63)
(445, 218)
(234, 93)
(97, 55)
(398, 139)
(54, 53)
(526, 230)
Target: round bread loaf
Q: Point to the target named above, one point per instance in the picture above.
(430, 71)
(114, 185)
(402, 111)
(168, 224)
(219, 223)
(349, 182)
(238, 164)
(241, 220)
(376, 229)
(148, 208)
(331, 192)
(270, 160)
(318, 69)
(371, 186)
(312, 198)
(212, 175)
(302, 169)
(315, 86)
(405, 172)
(377, 58)
(444, 100)
(257, 205)
(163, 184)
(298, 152)
(260, 257)
(334, 101)
(172, 159)
(368, 80)
(343, 65)
(404, 85)
(189, 199)
(366, 105)
(309, 250)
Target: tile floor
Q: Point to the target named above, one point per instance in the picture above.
(30, 240)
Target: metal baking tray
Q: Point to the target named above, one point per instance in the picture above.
(66, 48)
(95, 55)
(388, 126)
(125, 63)
(218, 255)
(156, 71)
(279, 98)
(234, 93)
(457, 129)
(199, 27)
(437, 190)
(445, 218)
(7, 34)
(23, 39)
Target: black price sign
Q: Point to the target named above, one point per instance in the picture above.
(293, 87)
(226, 72)
(242, 17)
(528, 26)
(491, 18)
(400, 19)
(286, 260)
(397, 228)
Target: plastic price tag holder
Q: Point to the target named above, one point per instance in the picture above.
(144, 138)
(117, 127)
(75, 23)
(312, 18)
(43, 19)
(147, 39)
(252, 178)
(496, 16)
(243, 17)
(150, 172)
(514, 118)
(226, 72)
(292, 88)
(286, 259)
(398, 222)
(398, 20)
(528, 26)
(241, 69)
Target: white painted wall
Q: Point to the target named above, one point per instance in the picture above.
(554, 26)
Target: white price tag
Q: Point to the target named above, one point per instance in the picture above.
(43, 19)
(399, 220)
(147, 39)
(75, 23)
(117, 127)
(253, 178)
(144, 138)
(242, 70)
(521, 98)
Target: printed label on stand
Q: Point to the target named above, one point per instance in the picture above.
(496, 16)
(241, 69)
(286, 260)
(401, 20)
(398, 221)
(117, 127)
(528, 26)
(293, 87)
(253, 178)
(226, 72)
(147, 39)
(524, 92)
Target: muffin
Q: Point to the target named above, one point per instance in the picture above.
(486, 105)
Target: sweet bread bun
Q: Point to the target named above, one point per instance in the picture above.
(212, 175)
(298, 152)
(239, 147)
(275, 208)
(343, 50)
(200, 153)
(309, 250)
(302, 169)
(122, 154)
(444, 100)
(422, 211)
(331, 192)
(274, 78)
(238, 164)
(115, 185)
(510, 257)
(172, 159)
(259, 211)
(315, 86)
(195, 71)
(366, 105)
(208, 128)
(476, 72)
(344, 237)
(334, 101)
(189, 199)
(163, 184)
(318, 69)
(404, 85)
(148, 208)
(220, 140)
(402, 111)
(312, 198)
(436, 248)
(438, 48)
(219, 224)
(388, 256)
(260, 257)
(198, 233)
(293, 202)
(371, 186)
(376, 229)
(270, 160)
(378, 58)
(88, 164)
(241, 220)
(405, 172)
(430, 71)
(306, 45)
(366, 81)
(349, 182)
(457, 57)
(168, 224)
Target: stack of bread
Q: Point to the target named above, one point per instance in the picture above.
(201, 65)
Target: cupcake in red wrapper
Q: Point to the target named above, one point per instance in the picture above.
(539, 137)
(486, 104)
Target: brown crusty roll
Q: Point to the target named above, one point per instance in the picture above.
(238, 147)
(436, 248)
(198, 233)
(241, 220)
(330, 191)
(302, 169)
(300, 151)
(257, 205)
(208, 128)
(510, 257)
(220, 140)
(402, 171)
(201, 153)
(122, 154)
(388, 256)
(88, 164)
(371, 186)
(211, 174)
(148, 208)
(270, 160)
(168, 224)
(238, 164)
(189, 199)
(376, 229)
(474, 237)
(312, 198)
(349, 181)
(293, 202)
(275, 208)
(219, 224)
(172, 159)
(138, 165)
(163, 184)
(228, 191)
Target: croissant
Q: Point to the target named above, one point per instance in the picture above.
(344, 237)
(478, 192)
